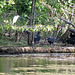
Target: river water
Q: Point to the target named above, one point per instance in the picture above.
(38, 64)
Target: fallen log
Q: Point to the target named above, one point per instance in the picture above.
(20, 50)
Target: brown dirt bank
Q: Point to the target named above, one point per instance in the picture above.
(19, 50)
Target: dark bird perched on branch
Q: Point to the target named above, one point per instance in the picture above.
(27, 32)
(51, 40)
(37, 38)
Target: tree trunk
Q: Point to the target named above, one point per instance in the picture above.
(33, 22)
(32, 17)
(17, 36)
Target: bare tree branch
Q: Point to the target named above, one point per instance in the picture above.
(69, 13)
(68, 22)
(65, 14)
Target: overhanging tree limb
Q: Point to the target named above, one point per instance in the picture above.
(68, 22)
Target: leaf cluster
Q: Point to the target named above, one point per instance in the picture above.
(25, 28)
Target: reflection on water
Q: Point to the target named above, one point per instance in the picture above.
(38, 64)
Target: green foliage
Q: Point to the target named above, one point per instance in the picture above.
(23, 6)
(39, 27)
(54, 3)
(1, 31)
(7, 6)
(44, 17)
(43, 28)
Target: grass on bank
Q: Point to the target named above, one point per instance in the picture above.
(22, 43)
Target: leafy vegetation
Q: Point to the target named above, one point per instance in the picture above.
(46, 16)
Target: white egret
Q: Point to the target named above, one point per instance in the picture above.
(15, 19)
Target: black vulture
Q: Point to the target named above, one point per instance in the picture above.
(27, 32)
(37, 38)
(51, 40)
